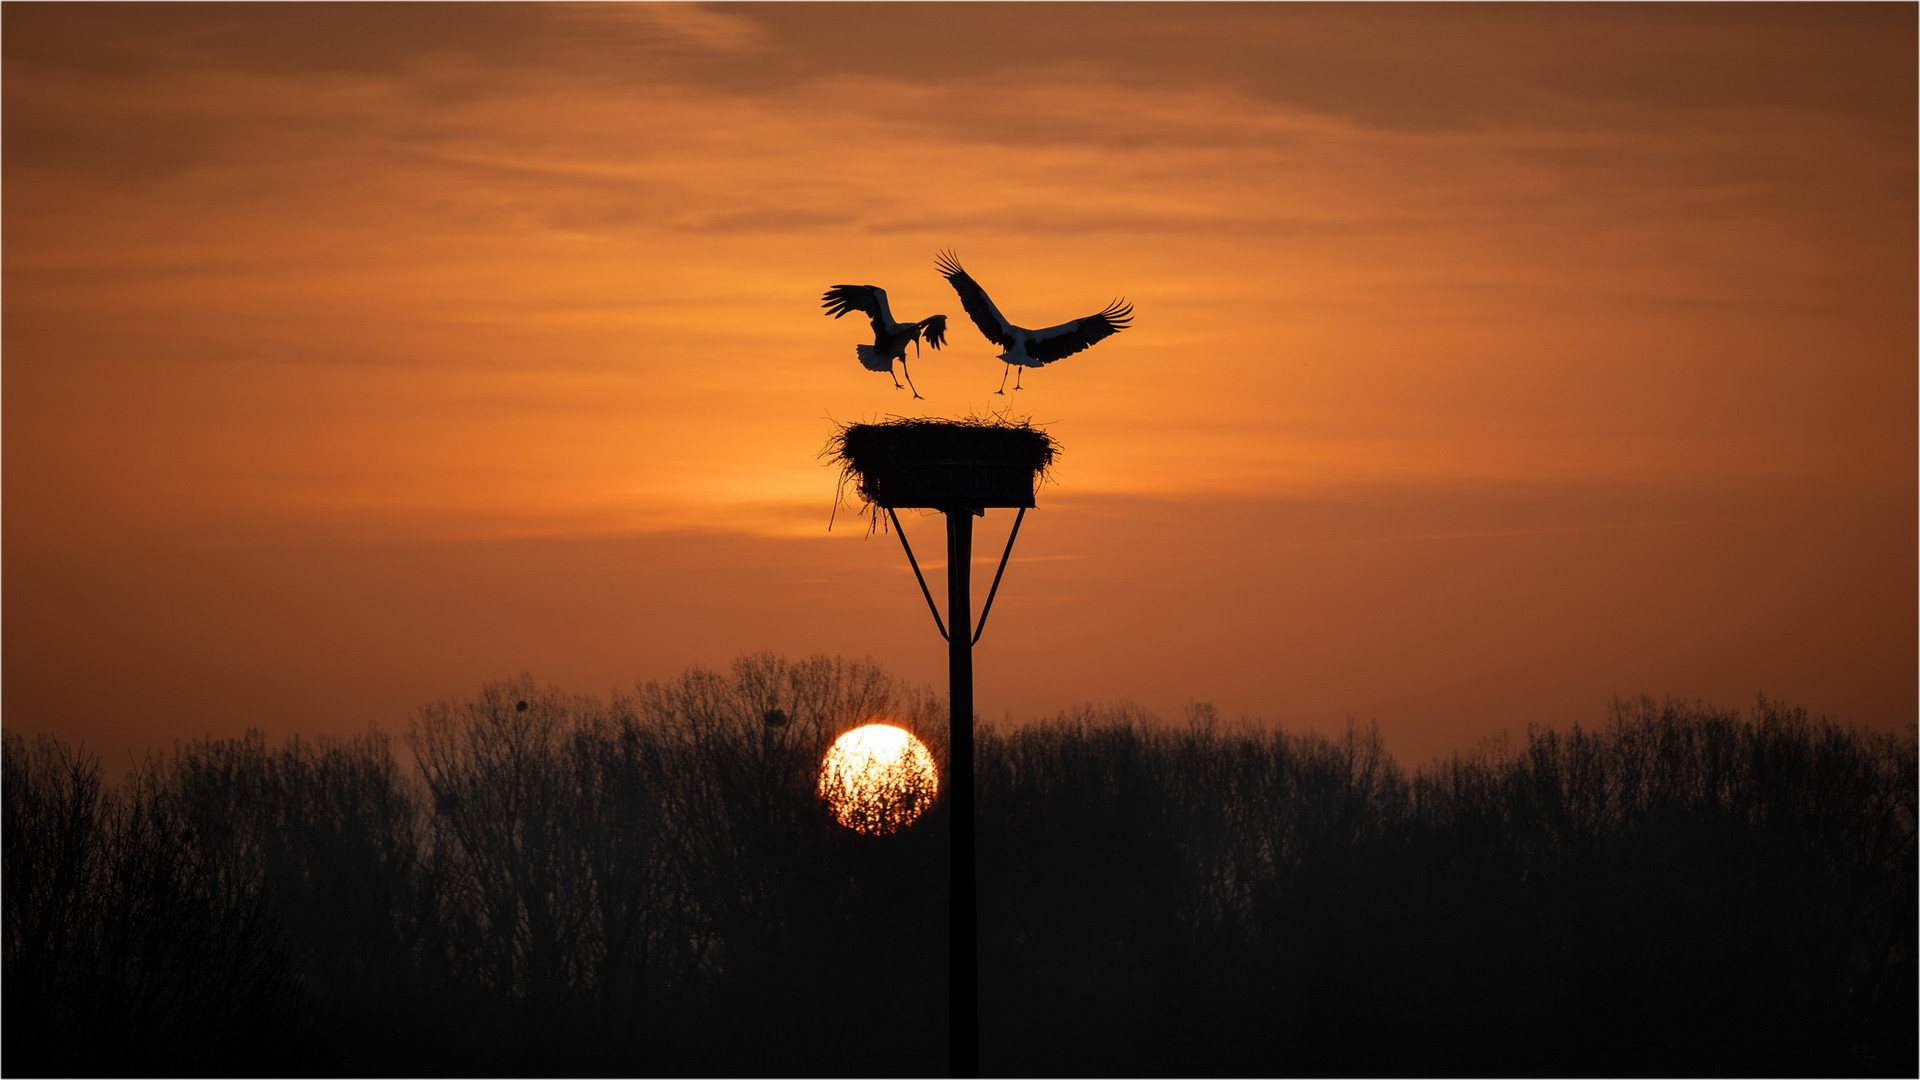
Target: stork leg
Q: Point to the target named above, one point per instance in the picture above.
(1016, 381)
(1003, 380)
(909, 375)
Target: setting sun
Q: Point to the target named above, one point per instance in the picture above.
(878, 779)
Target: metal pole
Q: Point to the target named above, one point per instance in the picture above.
(964, 1036)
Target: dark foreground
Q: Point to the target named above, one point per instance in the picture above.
(651, 886)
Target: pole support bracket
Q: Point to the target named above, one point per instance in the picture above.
(981, 627)
(917, 576)
(985, 609)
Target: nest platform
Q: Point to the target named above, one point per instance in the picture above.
(942, 464)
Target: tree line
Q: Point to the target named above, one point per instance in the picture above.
(532, 882)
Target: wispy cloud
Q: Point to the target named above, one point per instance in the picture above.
(704, 25)
(397, 264)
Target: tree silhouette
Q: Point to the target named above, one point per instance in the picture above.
(532, 882)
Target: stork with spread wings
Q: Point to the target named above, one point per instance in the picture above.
(1030, 348)
(889, 337)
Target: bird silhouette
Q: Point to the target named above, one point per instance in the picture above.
(889, 337)
(1024, 347)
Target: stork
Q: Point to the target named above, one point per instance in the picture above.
(1024, 347)
(889, 338)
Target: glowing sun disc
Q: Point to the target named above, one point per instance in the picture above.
(878, 778)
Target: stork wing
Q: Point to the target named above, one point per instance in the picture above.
(972, 297)
(1066, 339)
(868, 299)
(935, 327)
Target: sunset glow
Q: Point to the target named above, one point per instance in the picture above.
(878, 778)
(1486, 361)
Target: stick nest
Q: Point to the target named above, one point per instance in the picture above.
(870, 455)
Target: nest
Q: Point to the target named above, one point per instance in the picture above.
(940, 464)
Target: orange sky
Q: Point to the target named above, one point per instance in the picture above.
(1488, 361)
